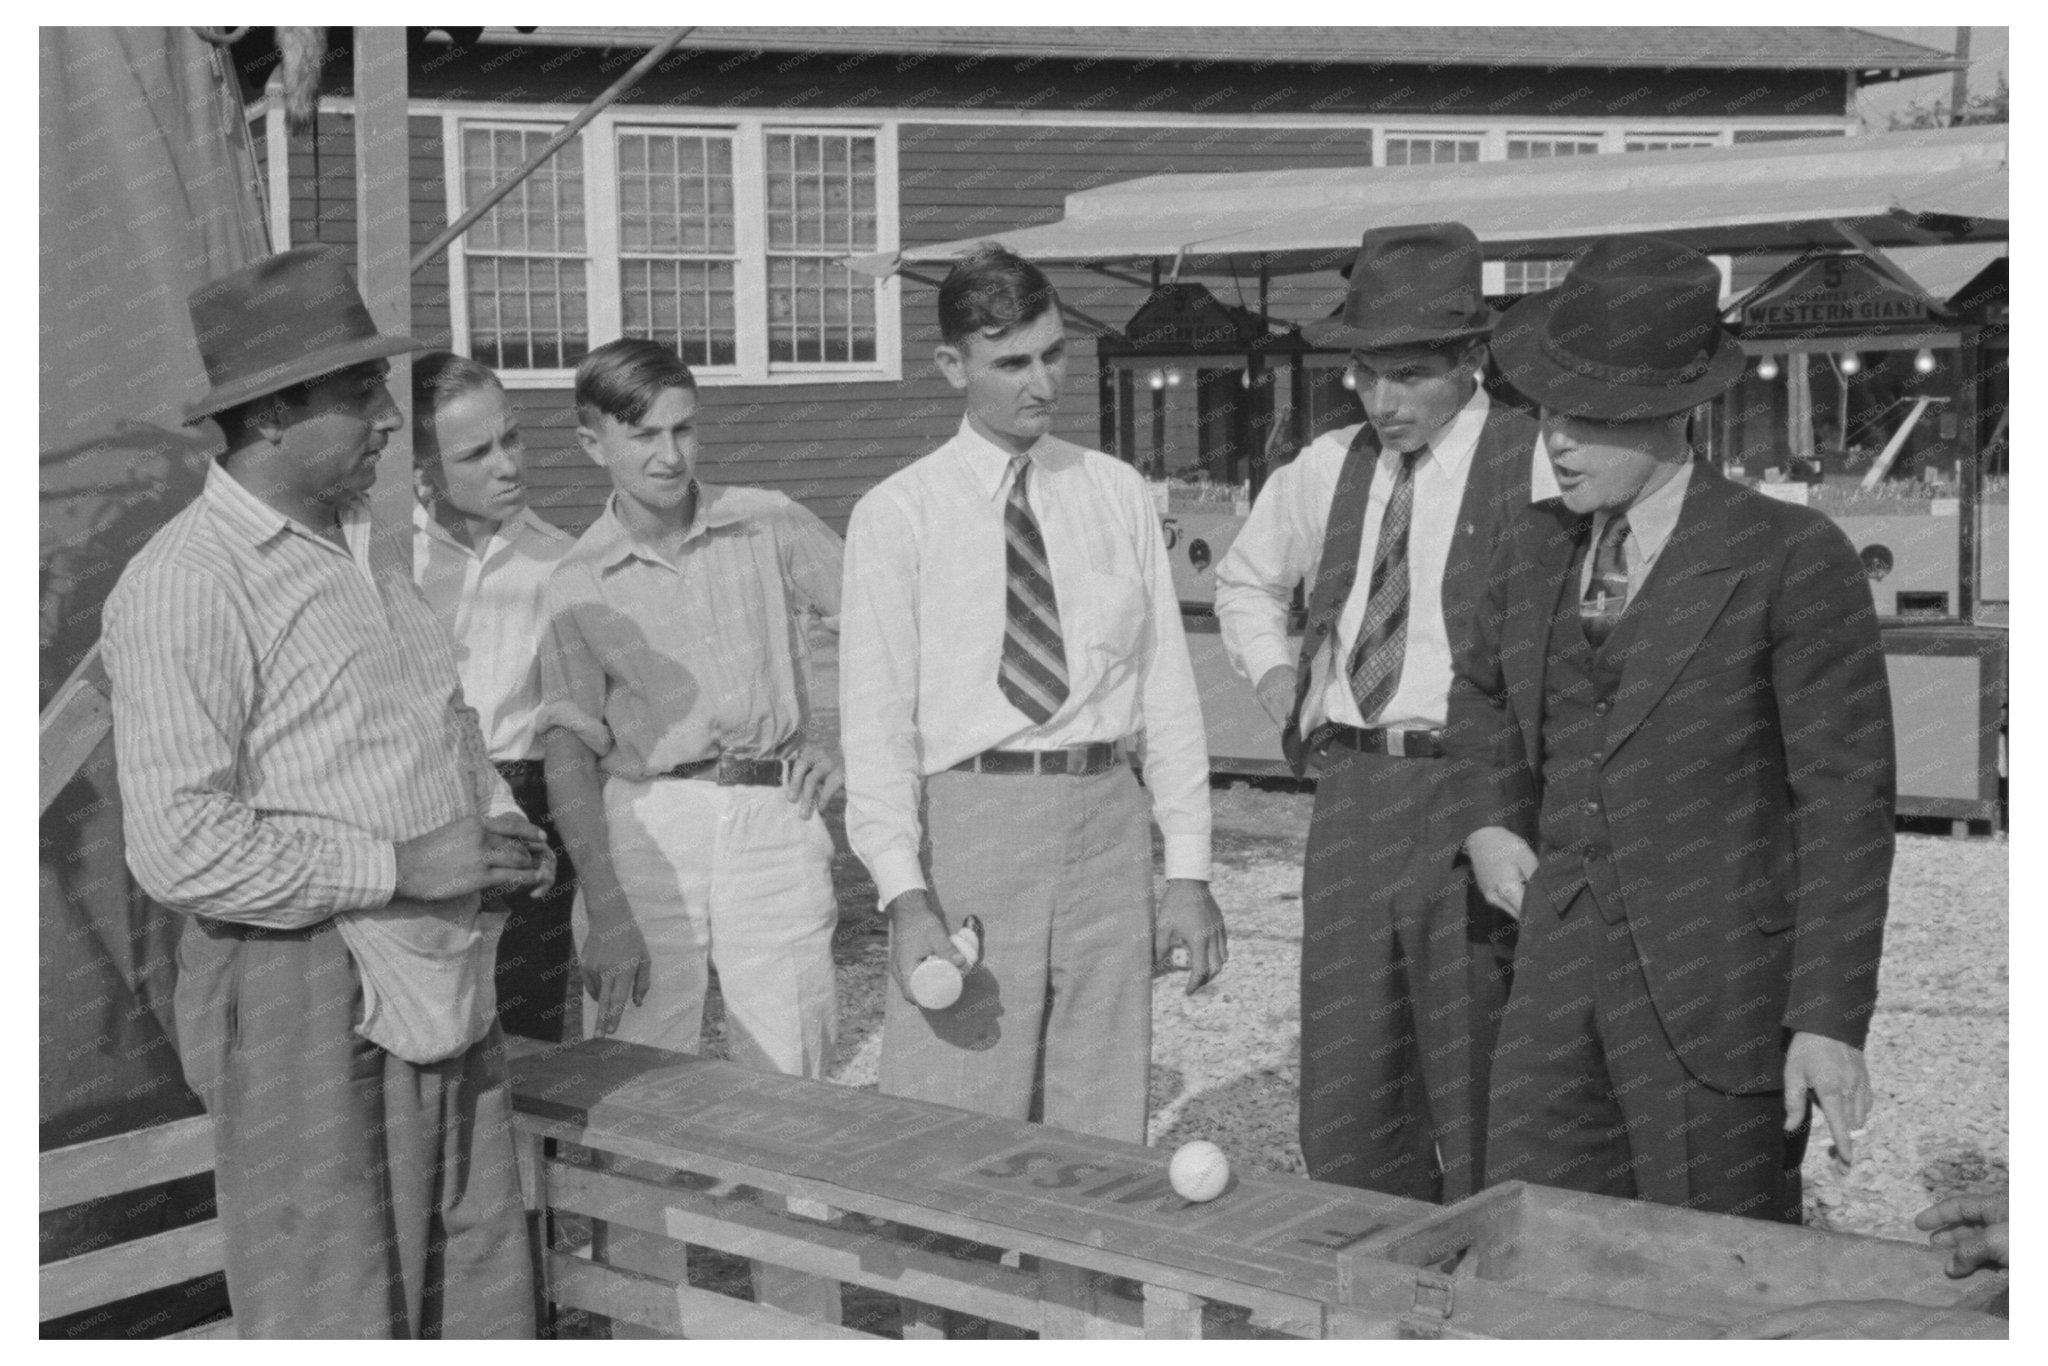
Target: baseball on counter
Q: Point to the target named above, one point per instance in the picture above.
(1199, 1171)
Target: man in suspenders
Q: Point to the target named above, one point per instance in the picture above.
(1390, 525)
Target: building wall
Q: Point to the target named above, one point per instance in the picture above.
(998, 157)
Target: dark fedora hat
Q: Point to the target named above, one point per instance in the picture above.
(1413, 285)
(1633, 332)
(287, 318)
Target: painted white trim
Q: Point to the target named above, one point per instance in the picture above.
(1090, 118)
(277, 156)
(458, 266)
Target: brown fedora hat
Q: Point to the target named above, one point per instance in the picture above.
(287, 318)
(1633, 332)
(1413, 285)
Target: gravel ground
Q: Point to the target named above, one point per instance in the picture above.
(1224, 1062)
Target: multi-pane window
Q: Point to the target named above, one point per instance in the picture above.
(1530, 149)
(723, 242)
(1412, 150)
(525, 259)
(821, 206)
(1526, 277)
(1662, 143)
(677, 249)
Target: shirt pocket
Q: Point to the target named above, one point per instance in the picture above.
(1110, 609)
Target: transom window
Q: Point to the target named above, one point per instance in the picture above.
(1530, 149)
(1526, 277)
(1416, 150)
(1662, 143)
(722, 242)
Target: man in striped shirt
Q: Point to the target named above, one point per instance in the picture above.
(303, 780)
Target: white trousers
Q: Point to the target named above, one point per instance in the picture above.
(727, 878)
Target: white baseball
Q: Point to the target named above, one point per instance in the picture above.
(1199, 1171)
(935, 984)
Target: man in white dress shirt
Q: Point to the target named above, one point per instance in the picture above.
(1390, 524)
(1010, 638)
(482, 557)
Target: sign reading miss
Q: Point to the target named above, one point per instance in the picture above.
(1836, 294)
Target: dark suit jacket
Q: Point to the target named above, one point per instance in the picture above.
(1747, 783)
(1496, 486)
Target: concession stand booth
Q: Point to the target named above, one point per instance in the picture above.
(1876, 388)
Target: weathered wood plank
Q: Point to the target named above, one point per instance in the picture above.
(125, 1162)
(71, 728)
(113, 1273)
(1077, 1307)
(745, 1230)
(678, 1311)
(221, 1330)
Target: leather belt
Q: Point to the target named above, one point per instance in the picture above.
(731, 770)
(517, 771)
(1076, 761)
(1391, 741)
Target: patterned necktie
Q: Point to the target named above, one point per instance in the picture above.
(1383, 633)
(1033, 674)
(1607, 590)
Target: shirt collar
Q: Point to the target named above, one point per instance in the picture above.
(614, 544)
(522, 524)
(259, 522)
(989, 464)
(1651, 522)
(1456, 440)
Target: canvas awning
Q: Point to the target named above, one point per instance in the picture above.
(1936, 187)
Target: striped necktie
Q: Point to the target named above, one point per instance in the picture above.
(1606, 596)
(1033, 674)
(1383, 633)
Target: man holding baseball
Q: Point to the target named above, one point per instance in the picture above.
(1010, 642)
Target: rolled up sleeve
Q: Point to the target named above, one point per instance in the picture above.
(572, 678)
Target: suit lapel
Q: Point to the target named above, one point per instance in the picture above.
(1552, 532)
(1677, 605)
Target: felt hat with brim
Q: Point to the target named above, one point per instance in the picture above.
(1633, 332)
(1417, 284)
(287, 318)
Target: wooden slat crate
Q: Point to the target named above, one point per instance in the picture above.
(1523, 1261)
(115, 1166)
(922, 1199)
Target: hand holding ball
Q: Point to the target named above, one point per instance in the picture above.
(1199, 1171)
(935, 983)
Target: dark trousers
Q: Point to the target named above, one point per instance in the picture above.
(1404, 973)
(537, 951)
(1588, 1093)
(361, 1196)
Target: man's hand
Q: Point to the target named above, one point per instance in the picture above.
(616, 968)
(1189, 915)
(455, 860)
(917, 931)
(1833, 1072)
(1276, 693)
(1502, 864)
(514, 844)
(1871, 1319)
(814, 775)
(1973, 1228)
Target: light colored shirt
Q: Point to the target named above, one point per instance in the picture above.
(283, 716)
(922, 639)
(654, 663)
(1281, 544)
(1650, 524)
(489, 601)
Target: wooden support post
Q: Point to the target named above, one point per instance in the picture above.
(383, 267)
(1172, 1313)
(1072, 1310)
(816, 1297)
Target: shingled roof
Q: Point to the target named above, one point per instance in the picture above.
(1833, 48)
